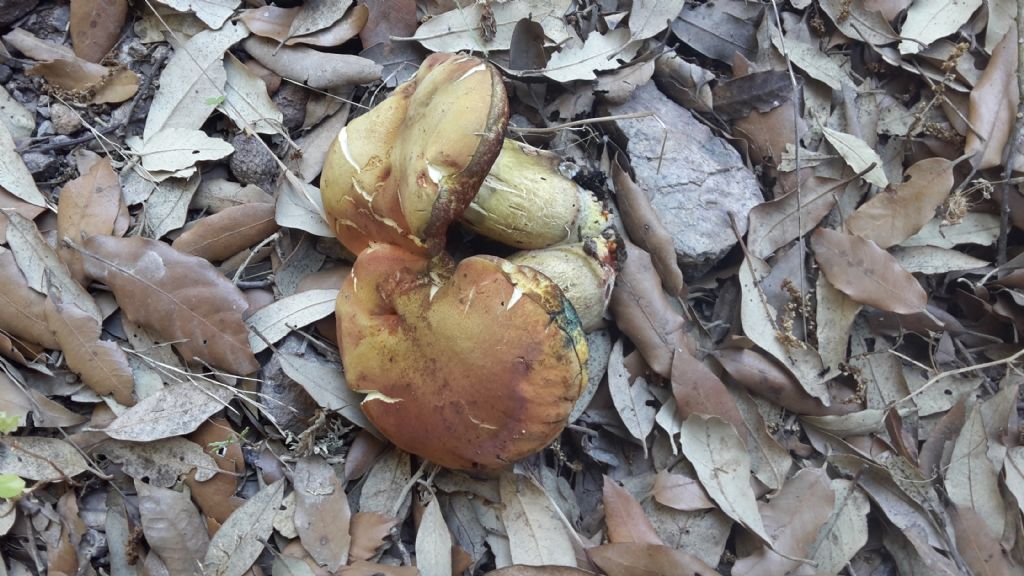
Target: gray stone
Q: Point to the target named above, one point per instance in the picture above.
(700, 180)
(42, 165)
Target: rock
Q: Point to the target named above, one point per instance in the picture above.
(65, 120)
(12, 10)
(701, 178)
(252, 162)
(42, 165)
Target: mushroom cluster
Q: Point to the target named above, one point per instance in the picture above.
(471, 364)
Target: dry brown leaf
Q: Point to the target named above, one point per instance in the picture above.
(368, 530)
(647, 230)
(177, 409)
(89, 204)
(270, 21)
(37, 458)
(763, 377)
(216, 496)
(631, 397)
(228, 232)
(866, 273)
(239, 541)
(792, 518)
(680, 492)
(95, 26)
(644, 312)
(698, 390)
(774, 224)
(102, 364)
(635, 559)
(322, 513)
(899, 212)
(625, 517)
(536, 534)
(181, 298)
(161, 462)
(21, 307)
(994, 105)
(173, 527)
(943, 434)
(19, 402)
(11, 202)
(979, 547)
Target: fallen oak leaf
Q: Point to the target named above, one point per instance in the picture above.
(624, 516)
(866, 273)
(181, 298)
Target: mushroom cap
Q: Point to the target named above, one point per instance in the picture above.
(402, 172)
(471, 367)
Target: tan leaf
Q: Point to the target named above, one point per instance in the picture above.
(993, 105)
(174, 410)
(680, 492)
(21, 307)
(893, 215)
(433, 543)
(239, 541)
(173, 527)
(95, 26)
(275, 321)
(102, 364)
(858, 155)
(363, 568)
(34, 458)
(792, 518)
(633, 400)
(14, 175)
(162, 461)
(765, 378)
(270, 21)
(218, 194)
(971, 480)
(89, 204)
(228, 232)
(636, 559)
(866, 273)
(644, 312)
(181, 298)
(978, 546)
(624, 517)
(521, 570)
(774, 224)
(322, 513)
(536, 534)
(720, 459)
(369, 529)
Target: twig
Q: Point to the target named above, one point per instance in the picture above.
(1011, 146)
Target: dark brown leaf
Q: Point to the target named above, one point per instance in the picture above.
(767, 379)
(866, 273)
(181, 298)
(763, 91)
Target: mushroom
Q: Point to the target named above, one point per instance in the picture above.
(402, 172)
(585, 271)
(471, 366)
(525, 202)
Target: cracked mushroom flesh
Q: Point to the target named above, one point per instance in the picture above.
(402, 172)
(471, 366)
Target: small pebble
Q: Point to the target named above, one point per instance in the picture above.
(65, 120)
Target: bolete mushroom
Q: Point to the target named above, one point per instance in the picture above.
(525, 202)
(402, 172)
(471, 366)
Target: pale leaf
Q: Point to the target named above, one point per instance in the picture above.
(322, 513)
(536, 534)
(47, 459)
(929, 20)
(14, 175)
(433, 543)
(276, 320)
(858, 155)
(173, 411)
(633, 401)
(239, 541)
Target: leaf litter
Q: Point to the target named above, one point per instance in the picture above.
(835, 389)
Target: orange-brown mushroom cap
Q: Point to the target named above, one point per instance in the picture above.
(471, 367)
(402, 172)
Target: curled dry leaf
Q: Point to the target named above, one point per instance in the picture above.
(624, 516)
(866, 273)
(95, 26)
(102, 364)
(322, 513)
(21, 307)
(895, 214)
(18, 402)
(90, 204)
(181, 298)
(646, 229)
(632, 559)
(275, 321)
(645, 313)
(763, 377)
(173, 527)
(228, 232)
(319, 70)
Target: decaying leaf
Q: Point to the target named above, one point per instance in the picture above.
(369, 531)
(631, 558)
(866, 273)
(971, 480)
(182, 298)
(90, 204)
(994, 104)
(459, 28)
(697, 390)
(579, 61)
(161, 461)
(95, 26)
